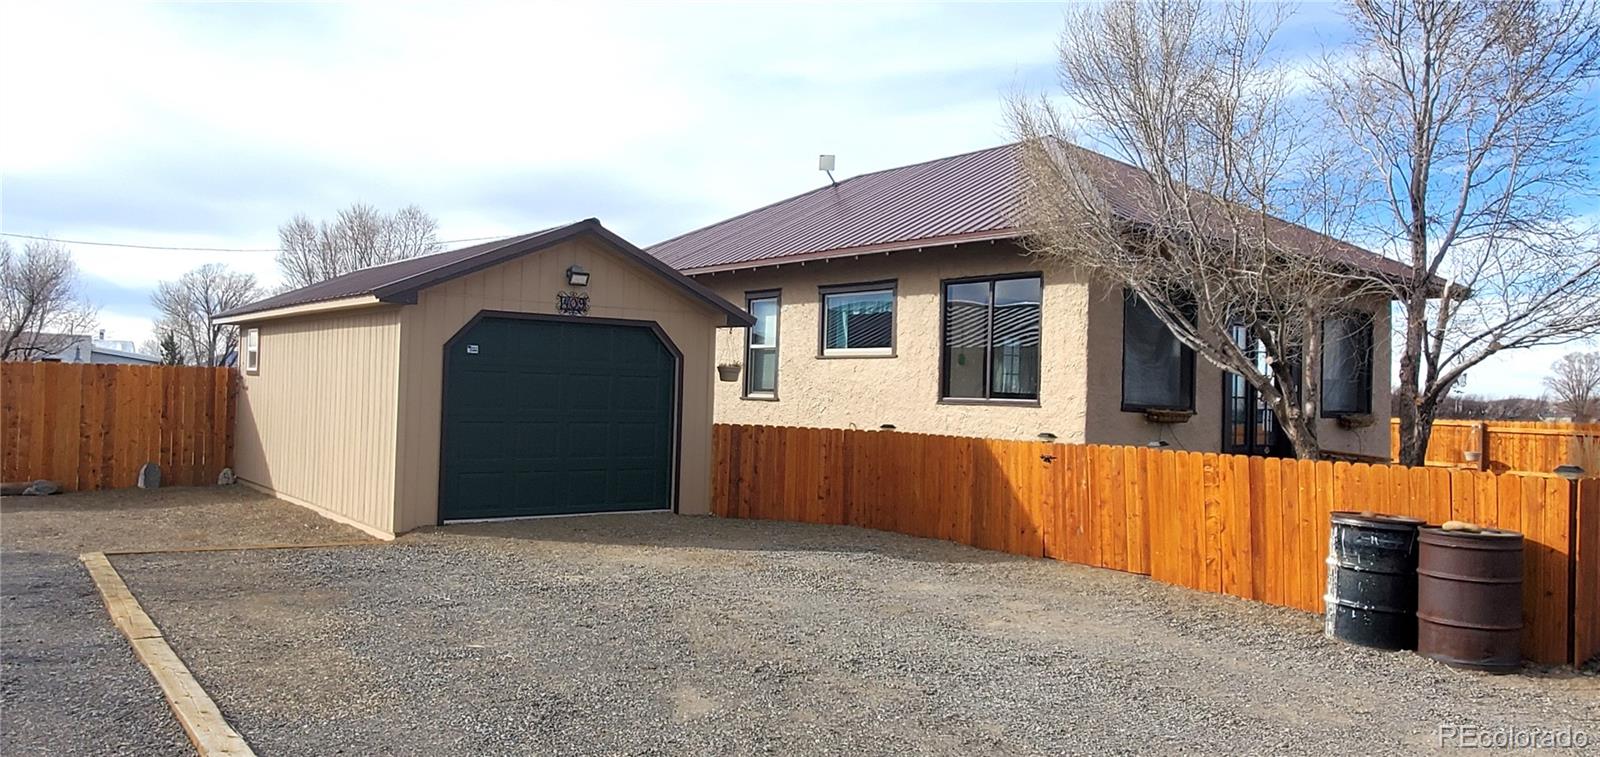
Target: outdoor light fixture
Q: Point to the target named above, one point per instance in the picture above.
(1046, 436)
(1569, 472)
(577, 277)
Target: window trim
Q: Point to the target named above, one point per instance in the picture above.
(1369, 325)
(776, 295)
(252, 352)
(844, 353)
(944, 345)
(1122, 366)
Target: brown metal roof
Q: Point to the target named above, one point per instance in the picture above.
(974, 196)
(399, 282)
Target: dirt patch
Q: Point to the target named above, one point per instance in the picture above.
(69, 683)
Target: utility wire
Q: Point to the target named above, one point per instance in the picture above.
(192, 249)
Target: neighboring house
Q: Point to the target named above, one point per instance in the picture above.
(563, 371)
(902, 298)
(81, 348)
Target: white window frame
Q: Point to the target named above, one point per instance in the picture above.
(252, 351)
(889, 287)
(750, 299)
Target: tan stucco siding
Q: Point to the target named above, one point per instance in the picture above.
(619, 288)
(1108, 424)
(903, 390)
(317, 423)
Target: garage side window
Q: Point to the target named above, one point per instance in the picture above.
(761, 346)
(252, 351)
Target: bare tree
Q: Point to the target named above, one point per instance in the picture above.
(1473, 121)
(188, 304)
(1574, 386)
(359, 237)
(41, 309)
(1206, 235)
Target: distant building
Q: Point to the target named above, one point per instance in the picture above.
(81, 348)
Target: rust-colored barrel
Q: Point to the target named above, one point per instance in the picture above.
(1469, 598)
(1371, 598)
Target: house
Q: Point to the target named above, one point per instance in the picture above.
(82, 348)
(562, 371)
(903, 298)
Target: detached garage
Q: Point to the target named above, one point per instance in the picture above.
(554, 373)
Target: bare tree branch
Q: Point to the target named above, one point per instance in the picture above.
(1476, 121)
(187, 306)
(359, 237)
(41, 309)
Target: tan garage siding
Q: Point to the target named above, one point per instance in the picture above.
(867, 392)
(317, 423)
(618, 288)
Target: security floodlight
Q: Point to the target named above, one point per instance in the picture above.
(577, 277)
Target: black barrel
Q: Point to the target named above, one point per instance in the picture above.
(1469, 598)
(1372, 580)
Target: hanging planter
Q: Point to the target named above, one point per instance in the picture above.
(728, 371)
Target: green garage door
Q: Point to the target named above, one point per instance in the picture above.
(547, 417)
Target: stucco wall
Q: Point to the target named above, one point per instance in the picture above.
(903, 390)
(618, 288)
(316, 424)
(1081, 360)
(1108, 424)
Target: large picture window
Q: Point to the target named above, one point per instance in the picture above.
(761, 346)
(1157, 369)
(1347, 365)
(858, 320)
(991, 338)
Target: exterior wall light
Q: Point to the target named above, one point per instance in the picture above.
(577, 277)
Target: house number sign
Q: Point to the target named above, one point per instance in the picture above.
(572, 303)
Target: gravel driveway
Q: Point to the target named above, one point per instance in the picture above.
(662, 634)
(69, 683)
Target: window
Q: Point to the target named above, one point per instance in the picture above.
(761, 346)
(991, 339)
(1157, 369)
(1346, 365)
(252, 351)
(858, 320)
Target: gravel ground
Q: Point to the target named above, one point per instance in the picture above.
(69, 683)
(661, 634)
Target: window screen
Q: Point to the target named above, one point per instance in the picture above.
(1157, 369)
(858, 321)
(992, 338)
(1347, 365)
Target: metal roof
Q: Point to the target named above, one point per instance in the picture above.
(399, 282)
(974, 196)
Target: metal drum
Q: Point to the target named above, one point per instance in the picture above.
(1372, 580)
(1469, 598)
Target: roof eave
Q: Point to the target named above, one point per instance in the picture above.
(850, 252)
(234, 318)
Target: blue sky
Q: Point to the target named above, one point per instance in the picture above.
(208, 125)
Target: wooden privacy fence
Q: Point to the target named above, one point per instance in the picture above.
(1247, 526)
(1509, 446)
(93, 426)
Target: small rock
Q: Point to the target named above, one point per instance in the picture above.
(226, 477)
(42, 488)
(149, 476)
